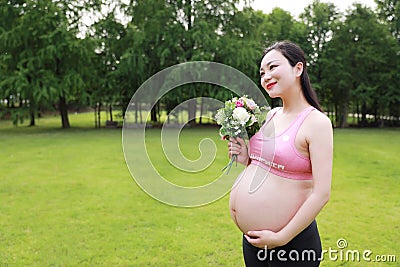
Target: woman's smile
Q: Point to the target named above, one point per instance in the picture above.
(270, 85)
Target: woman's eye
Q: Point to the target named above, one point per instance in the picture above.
(272, 67)
(262, 74)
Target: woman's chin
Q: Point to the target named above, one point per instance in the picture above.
(272, 94)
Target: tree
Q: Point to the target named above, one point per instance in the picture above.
(107, 33)
(389, 11)
(354, 70)
(9, 81)
(45, 59)
(321, 20)
(174, 32)
(133, 68)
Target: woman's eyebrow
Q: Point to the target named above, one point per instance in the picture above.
(268, 63)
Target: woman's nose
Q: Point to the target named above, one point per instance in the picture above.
(267, 76)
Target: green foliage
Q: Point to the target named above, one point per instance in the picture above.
(45, 66)
(389, 12)
(44, 60)
(321, 20)
(360, 64)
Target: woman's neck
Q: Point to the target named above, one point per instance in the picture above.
(295, 103)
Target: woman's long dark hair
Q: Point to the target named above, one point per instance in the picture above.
(295, 54)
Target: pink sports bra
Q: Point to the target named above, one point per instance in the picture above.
(279, 154)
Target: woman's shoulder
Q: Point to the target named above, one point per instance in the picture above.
(272, 111)
(318, 120)
(318, 130)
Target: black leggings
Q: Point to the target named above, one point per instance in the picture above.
(302, 251)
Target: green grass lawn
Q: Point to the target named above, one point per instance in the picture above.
(68, 199)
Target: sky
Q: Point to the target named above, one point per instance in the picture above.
(295, 7)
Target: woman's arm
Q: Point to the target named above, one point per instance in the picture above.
(320, 145)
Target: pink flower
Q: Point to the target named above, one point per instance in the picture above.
(224, 137)
(251, 104)
(239, 103)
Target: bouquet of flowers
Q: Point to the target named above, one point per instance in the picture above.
(241, 117)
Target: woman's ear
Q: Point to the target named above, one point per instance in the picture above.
(298, 68)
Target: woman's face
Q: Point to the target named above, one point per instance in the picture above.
(277, 75)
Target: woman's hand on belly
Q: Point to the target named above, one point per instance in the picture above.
(271, 206)
(265, 239)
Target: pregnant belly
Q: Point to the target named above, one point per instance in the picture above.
(263, 201)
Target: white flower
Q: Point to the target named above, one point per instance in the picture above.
(220, 116)
(241, 115)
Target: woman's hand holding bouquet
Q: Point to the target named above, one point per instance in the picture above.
(240, 119)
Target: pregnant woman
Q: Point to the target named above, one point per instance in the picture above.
(287, 181)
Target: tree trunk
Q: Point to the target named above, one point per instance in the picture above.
(140, 113)
(32, 118)
(136, 111)
(110, 110)
(364, 121)
(154, 114)
(64, 113)
(344, 109)
(192, 111)
(337, 115)
(95, 118)
(201, 110)
(9, 104)
(358, 113)
(98, 115)
(343, 115)
(32, 109)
